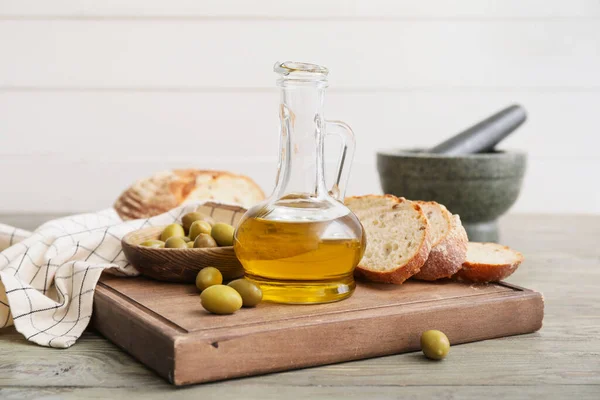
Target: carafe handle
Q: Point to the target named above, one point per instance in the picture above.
(344, 132)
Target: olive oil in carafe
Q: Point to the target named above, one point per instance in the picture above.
(301, 261)
(301, 244)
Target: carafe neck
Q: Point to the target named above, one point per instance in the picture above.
(301, 138)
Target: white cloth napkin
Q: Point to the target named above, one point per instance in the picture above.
(48, 277)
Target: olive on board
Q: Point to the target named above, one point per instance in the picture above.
(199, 227)
(189, 218)
(175, 242)
(207, 277)
(251, 293)
(172, 230)
(221, 299)
(203, 241)
(190, 245)
(153, 243)
(435, 344)
(223, 234)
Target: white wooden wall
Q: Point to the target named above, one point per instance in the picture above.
(95, 94)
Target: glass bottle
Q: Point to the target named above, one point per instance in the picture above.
(301, 244)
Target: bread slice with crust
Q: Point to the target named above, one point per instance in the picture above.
(369, 202)
(489, 262)
(398, 241)
(448, 243)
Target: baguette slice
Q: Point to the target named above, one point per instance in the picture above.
(448, 243)
(397, 234)
(369, 202)
(489, 262)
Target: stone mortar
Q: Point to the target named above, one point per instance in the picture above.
(478, 187)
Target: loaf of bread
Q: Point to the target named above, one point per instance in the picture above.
(488, 262)
(398, 240)
(448, 243)
(166, 190)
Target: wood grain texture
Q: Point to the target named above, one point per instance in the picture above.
(560, 361)
(377, 320)
(177, 265)
(114, 70)
(183, 265)
(271, 392)
(481, 54)
(557, 168)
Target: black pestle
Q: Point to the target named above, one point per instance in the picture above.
(482, 137)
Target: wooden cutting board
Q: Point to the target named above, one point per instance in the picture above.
(164, 326)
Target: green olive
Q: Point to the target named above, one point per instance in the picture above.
(223, 234)
(175, 242)
(208, 276)
(203, 241)
(186, 239)
(190, 245)
(221, 299)
(199, 227)
(172, 230)
(251, 294)
(435, 344)
(189, 218)
(153, 243)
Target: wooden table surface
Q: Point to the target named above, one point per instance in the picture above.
(561, 361)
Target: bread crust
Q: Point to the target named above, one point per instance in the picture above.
(483, 273)
(402, 272)
(448, 255)
(166, 190)
(390, 197)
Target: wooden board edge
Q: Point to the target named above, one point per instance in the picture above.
(153, 343)
(514, 287)
(395, 332)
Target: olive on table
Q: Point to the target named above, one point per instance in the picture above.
(435, 344)
(207, 277)
(199, 227)
(189, 218)
(223, 234)
(157, 244)
(203, 241)
(221, 299)
(172, 230)
(190, 245)
(251, 293)
(175, 242)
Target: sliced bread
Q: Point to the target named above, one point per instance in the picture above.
(488, 262)
(397, 234)
(369, 202)
(448, 243)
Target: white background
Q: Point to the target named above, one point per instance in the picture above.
(95, 94)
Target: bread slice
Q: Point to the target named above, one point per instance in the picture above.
(448, 243)
(397, 234)
(489, 262)
(369, 202)
(166, 190)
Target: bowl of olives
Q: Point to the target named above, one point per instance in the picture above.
(177, 252)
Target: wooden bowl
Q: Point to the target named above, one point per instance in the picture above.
(182, 265)
(177, 265)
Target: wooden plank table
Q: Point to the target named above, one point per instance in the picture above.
(560, 361)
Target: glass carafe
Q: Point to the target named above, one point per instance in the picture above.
(301, 245)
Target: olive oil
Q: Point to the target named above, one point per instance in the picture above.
(301, 244)
(301, 261)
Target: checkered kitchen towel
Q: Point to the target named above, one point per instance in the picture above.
(48, 277)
